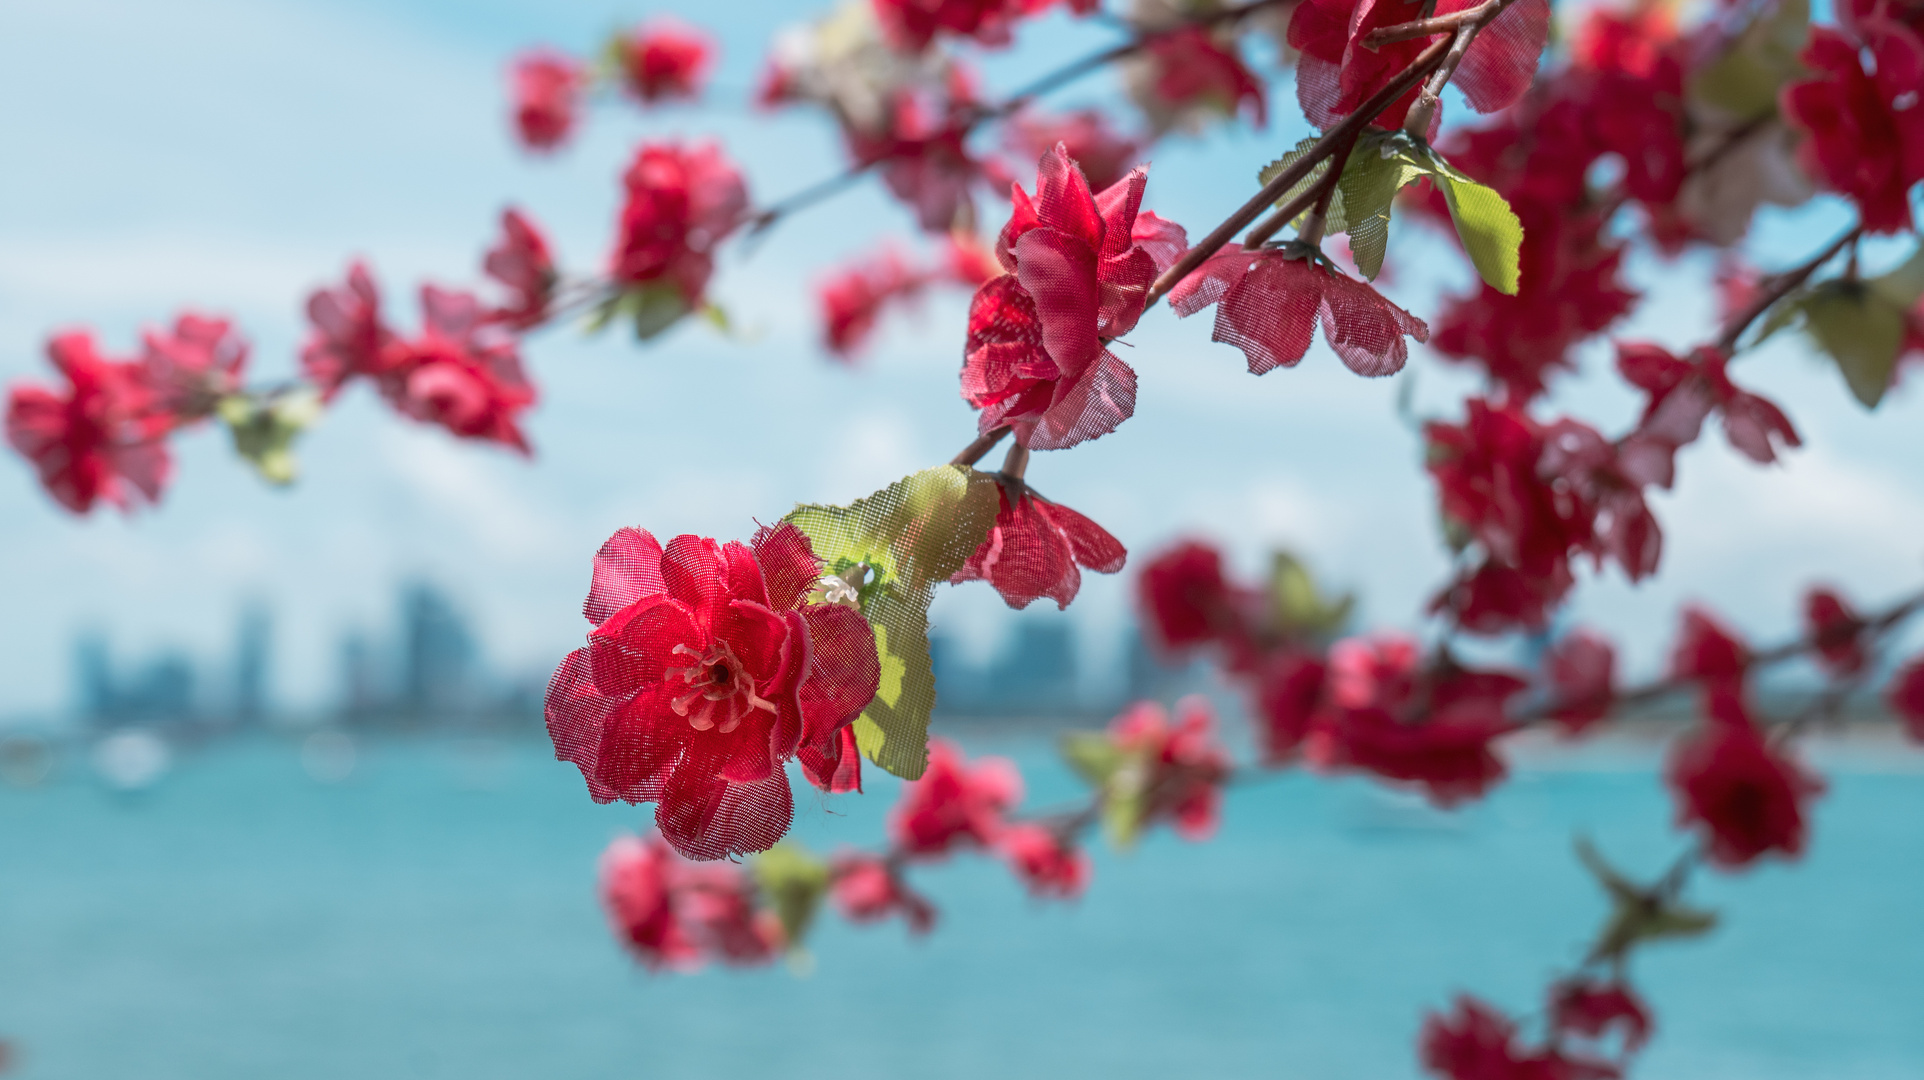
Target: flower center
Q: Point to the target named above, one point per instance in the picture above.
(718, 692)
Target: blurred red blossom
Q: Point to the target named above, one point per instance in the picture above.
(1048, 864)
(522, 262)
(1906, 697)
(193, 365)
(954, 803)
(97, 438)
(1476, 1042)
(868, 889)
(707, 670)
(1837, 631)
(348, 338)
(675, 915)
(1036, 356)
(1682, 392)
(546, 91)
(1034, 547)
(664, 59)
(1271, 299)
(462, 371)
(1864, 129)
(852, 299)
(1747, 796)
(1188, 72)
(1707, 650)
(1184, 597)
(1104, 154)
(1592, 1009)
(1185, 766)
(682, 201)
(1581, 665)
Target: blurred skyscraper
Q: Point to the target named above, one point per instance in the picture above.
(253, 644)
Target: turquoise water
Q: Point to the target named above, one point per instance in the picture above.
(434, 917)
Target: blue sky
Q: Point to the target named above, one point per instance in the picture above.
(231, 155)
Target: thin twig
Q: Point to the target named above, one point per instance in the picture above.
(980, 446)
(1386, 35)
(1779, 287)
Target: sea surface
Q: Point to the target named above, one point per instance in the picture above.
(433, 915)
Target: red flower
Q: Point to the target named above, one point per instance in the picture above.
(1837, 630)
(1287, 698)
(718, 905)
(1272, 298)
(1489, 477)
(1906, 697)
(854, 298)
(463, 371)
(954, 803)
(1683, 392)
(664, 60)
(1077, 277)
(101, 437)
(1865, 129)
(194, 366)
(1591, 1009)
(1707, 651)
(638, 879)
(1495, 598)
(1581, 665)
(1034, 547)
(920, 148)
(547, 89)
(969, 262)
(868, 889)
(348, 338)
(706, 671)
(912, 24)
(1104, 154)
(1338, 71)
(681, 203)
(522, 262)
(1478, 1043)
(1747, 795)
(1047, 865)
(1186, 766)
(1187, 71)
(1185, 598)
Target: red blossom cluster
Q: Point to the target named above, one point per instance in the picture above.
(675, 915)
(1593, 1026)
(661, 60)
(854, 297)
(681, 202)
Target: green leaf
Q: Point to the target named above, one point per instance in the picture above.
(912, 535)
(1862, 330)
(264, 430)
(1487, 226)
(1093, 755)
(1125, 799)
(1904, 285)
(1299, 605)
(1744, 82)
(1275, 168)
(651, 308)
(793, 880)
(1638, 914)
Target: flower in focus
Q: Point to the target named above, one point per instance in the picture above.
(547, 88)
(1182, 765)
(1337, 71)
(1033, 548)
(1707, 651)
(348, 337)
(853, 298)
(868, 889)
(1047, 864)
(1271, 299)
(1837, 630)
(97, 438)
(706, 671)
(1864, 129)
(1746, 795)
(664, 60)
(1906, 697)
(194, 365)
(954, 803)
(463, 371)
(1104, 154)
(681, 202)
(1185, 598)
(522, 262)
(1076, 277)
(1581, 666)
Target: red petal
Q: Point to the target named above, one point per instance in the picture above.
(1059, 273)
(1063, 201)
(1087, 408)
(844, 670)
(835, 763)
(1270, 313)
(1117, 204)
(627, 568)
(1365, 329)
(691, 569)
(1091, 544)
(789, 566)
(704, 817)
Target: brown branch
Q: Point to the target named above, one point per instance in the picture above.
(1778, 287)
(980, 446)
(1385, 35)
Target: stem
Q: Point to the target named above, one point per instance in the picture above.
(1016, 462)
(980, 446)
(1779, 287)
(1423, 110)
(1385, 35)
(1351, 126)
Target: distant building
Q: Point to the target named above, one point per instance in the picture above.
(253, 643)
(1034, 673)
(438, 653)
(161, 692)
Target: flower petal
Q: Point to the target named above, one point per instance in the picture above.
(627, 568)
(705, 817)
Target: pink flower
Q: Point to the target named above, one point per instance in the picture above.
(1272, 298)
(522, 262)
(1682, 392)
(547, 89)
(1077, 277)
(706, 671)
(853, 298)
(1864, 129)
(664, 59)
(1707, 651)
(954, 803)
(1186, 766)
(681, 203)
(193, 366)
(1746, 795)
(1581, 666)
(348, 336)
(1047, 864)
(1338, 71)
(1034, 547)
(867, 889)
(100, 437)
(921, 150)
(1837, 630)
(462, 372)
(1906, 697)
(638, 879)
